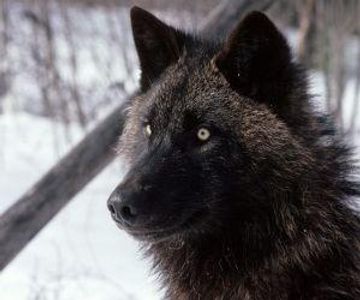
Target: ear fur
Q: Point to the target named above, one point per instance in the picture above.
(158, 45)
(256, 60)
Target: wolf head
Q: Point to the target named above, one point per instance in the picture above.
(220, 136)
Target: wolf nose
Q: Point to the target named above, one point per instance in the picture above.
(120, 210)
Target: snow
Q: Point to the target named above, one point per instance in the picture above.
(81, 254)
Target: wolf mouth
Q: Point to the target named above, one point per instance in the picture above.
(158, 235)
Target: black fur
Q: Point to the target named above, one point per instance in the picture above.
(260, 210)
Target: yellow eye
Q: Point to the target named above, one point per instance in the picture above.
(148, 130)
(203, 134)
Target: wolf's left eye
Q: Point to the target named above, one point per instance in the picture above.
(148, 130)
(203, 134)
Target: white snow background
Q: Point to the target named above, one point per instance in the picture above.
(80, 254)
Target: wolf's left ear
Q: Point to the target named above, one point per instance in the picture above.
(158, 45)
(256, 60)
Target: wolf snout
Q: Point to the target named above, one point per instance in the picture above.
(127, 205)
(120, 210)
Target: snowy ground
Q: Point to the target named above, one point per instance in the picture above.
(80, 254)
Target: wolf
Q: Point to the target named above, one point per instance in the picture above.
(237, 187)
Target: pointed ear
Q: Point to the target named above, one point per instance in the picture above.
(256, 60)
(158, 45)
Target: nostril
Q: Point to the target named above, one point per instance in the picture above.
(128, 213)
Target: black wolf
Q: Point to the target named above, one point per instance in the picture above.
(236, 187)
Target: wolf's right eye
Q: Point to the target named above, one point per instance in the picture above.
(203, 134)
(148, 130)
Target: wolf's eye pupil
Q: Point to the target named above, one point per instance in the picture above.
(203, 134)
(148, 130)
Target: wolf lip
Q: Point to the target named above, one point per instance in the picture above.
(153, 236)
(157, 235)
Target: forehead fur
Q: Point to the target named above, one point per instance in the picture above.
(194, 84)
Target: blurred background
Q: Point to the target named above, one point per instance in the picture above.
(65, 65)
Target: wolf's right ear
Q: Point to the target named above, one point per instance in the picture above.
(158, 45)
(256, 60)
